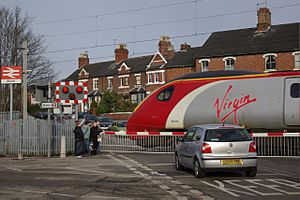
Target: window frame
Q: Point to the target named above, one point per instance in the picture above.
(230, 66)
(95, 83)
(296, 60)
(267, 62)
(109, 82)
(163, 93)
(204, 68)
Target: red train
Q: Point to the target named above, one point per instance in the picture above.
(259, 101)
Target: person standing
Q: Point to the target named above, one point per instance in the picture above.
(99, 135)
(78, 139)
(94, 134)
(86, 128)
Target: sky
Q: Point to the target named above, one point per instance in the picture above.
(71, 27)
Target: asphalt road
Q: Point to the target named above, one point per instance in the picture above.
(141, 176)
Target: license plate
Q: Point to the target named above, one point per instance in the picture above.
(232, 162)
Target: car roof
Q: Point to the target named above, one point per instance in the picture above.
(216, 126)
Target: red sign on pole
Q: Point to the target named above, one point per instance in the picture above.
(11, 74)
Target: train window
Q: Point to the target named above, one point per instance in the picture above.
(295, 90)
(166, 94)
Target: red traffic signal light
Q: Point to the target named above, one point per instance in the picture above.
(79, 89)
(65, 89)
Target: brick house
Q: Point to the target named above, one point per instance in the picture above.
(263, 48)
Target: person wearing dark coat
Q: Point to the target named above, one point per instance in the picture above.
(79, 137)
(94, 135)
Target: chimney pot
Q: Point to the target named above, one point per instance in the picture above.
(165, 47)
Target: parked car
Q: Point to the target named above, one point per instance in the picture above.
(120, 123)
(41, 115)
(90, 117)
(207, 148)
(105, 122)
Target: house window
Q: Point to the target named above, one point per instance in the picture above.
(95, 84)
(270, 61)
(124, 81)
(150, 78)
(204, 64)
(229, 63)
(138, 79)
(109, 82)
(297, 59)
(134, 98)
(156, 78)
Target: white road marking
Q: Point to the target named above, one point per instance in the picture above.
(164, 187)
(186, 187)
(160, 164)
(279, 172)
(221, 187)
(14, 169)
(251, 188)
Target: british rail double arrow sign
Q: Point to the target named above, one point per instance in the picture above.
(11, 74)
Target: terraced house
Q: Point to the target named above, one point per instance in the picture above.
(263, 48)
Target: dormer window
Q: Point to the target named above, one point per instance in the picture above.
(297, 60)
(229, 63)
(270, 62)
(204, 64)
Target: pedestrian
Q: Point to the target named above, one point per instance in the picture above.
(94, 134)
(78, 139)
(86, 128)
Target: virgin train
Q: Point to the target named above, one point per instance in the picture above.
(258, 101)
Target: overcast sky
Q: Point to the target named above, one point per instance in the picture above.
(71, 27)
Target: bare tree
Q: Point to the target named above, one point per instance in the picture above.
(14, 30)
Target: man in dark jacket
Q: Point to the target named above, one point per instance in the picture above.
(78, 139)
(94, 135)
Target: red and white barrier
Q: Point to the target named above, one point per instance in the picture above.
(129, 133)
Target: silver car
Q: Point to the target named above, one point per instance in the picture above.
(216, 147)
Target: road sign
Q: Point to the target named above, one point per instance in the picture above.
(49, 105)
(11, 74)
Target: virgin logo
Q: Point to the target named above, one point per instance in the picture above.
(226, 107)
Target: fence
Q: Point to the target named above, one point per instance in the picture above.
(4, 116)
(32, 140)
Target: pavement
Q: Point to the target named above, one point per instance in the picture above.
(141, 176)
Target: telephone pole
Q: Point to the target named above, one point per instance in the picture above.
(25, 52)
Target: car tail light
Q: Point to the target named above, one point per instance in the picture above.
(206, 148)
(252, 147)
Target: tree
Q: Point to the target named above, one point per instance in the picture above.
(14, 30)
(114, 102)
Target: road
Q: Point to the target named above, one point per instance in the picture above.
(141, 176)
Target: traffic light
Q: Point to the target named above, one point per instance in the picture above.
(71, 92)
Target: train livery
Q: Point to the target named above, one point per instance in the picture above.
(259, 101)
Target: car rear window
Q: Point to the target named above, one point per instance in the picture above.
(227, 135)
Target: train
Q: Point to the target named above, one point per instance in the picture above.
(258, 101)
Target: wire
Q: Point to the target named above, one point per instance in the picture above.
(164, 22)
(128, 42)
(116, 12)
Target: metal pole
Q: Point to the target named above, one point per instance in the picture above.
(25, 52)
(76, 111)
(49, 120)
(11, 102)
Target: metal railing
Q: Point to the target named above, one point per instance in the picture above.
(34, 140)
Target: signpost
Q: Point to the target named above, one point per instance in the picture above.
(10, 75)
(49, 105)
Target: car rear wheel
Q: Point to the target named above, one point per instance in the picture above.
(178, 166)
(251, 172)
(198, 172)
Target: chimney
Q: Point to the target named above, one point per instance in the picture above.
(166, 48)
(121, 53)
(83, 59)
(184, 47)
(264, 19)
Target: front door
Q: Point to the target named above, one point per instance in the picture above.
(292, 102)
